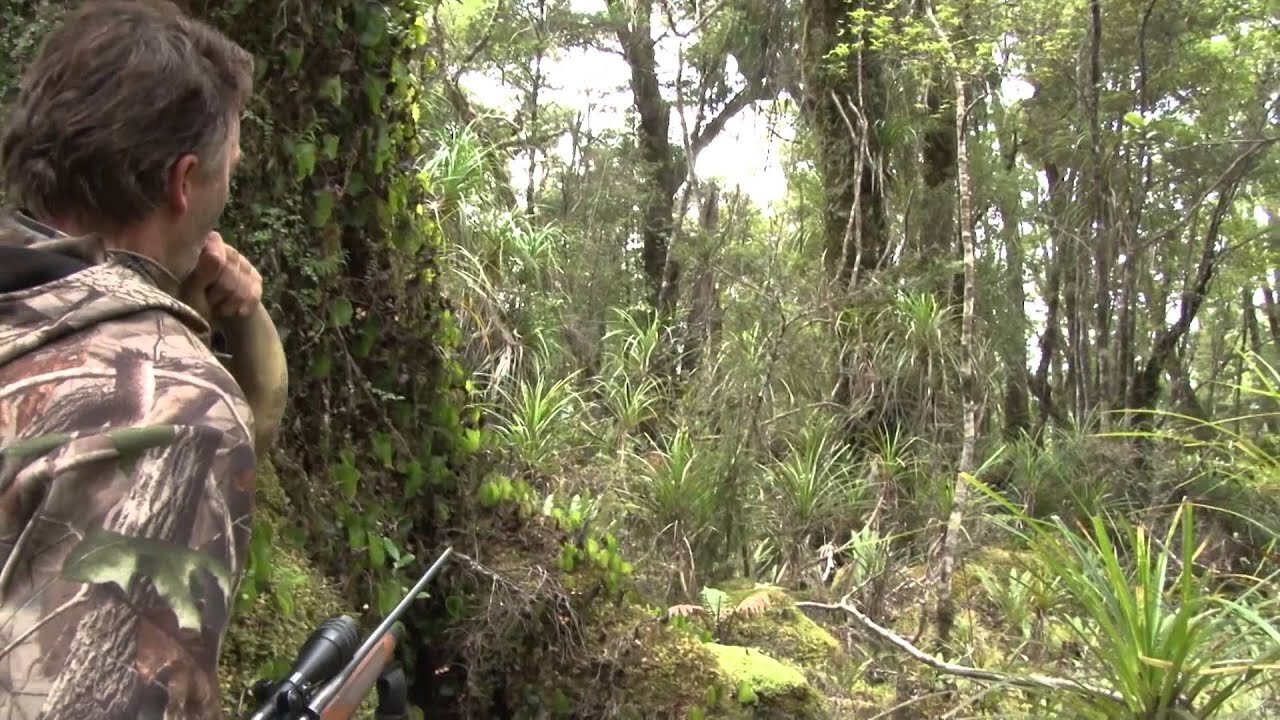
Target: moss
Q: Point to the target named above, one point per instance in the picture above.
(638, 667)
(768, 619)
(775, 689)
(674, 673)
(268, 629)
(770, 660)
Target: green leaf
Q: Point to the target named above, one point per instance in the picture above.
(567, 559)
(1135, 119)
(284, 603)
(293, 58)
(369, 334)
(389, 594)
(329, 146)
(323, 208)
(383, 448)
(377, 552)
(304, 160)
(376, 88)
(375, 29)
(489, 494)
(453, 605)
(714, 600)
(260, 553)
(321, 365)
(437, 470)
(470, 441)
(340, 312)
(415, 478)
(331, 90)
(346, 477)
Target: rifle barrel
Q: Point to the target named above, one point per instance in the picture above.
(403, 605)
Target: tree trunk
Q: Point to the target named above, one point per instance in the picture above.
(946, 611)
(1017, 413)
(662, 171)
(1051, 341)
(843, 111)
(1103, 248)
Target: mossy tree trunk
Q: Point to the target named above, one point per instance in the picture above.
(844, 105)
(329, 204)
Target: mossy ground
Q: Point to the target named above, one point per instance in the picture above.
(770, 687)
(644, 668)
(537, 642)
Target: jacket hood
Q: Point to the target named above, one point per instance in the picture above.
(53, 285)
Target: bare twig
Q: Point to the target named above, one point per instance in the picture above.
(698, 24)
(519, 602)
(486, 36)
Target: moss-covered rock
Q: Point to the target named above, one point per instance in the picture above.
(768, 618)
(768, 687)
(769, 658)
(677, 675)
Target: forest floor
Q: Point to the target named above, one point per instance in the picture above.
(542, 640)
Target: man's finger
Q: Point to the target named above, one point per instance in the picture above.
(228, 308)
(213, 259)
(229, 288)
(208, 267)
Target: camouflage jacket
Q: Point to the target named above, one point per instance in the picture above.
(127, 473)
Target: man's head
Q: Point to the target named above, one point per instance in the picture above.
(128, 125)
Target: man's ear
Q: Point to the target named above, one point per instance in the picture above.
(182, 180)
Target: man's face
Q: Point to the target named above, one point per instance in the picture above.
(209, 189)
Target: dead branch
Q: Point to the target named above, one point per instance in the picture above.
(486, 36)
(1030, 682)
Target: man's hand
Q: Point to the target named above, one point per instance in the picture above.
(226, 290)
(224, 284)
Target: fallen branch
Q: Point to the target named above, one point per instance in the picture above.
(1033, 682)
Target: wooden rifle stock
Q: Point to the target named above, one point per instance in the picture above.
(362, 679)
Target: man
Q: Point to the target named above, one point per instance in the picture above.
(127, 451)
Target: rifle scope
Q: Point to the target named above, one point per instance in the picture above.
(326, 651)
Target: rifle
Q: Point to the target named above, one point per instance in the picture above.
(328, 681)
